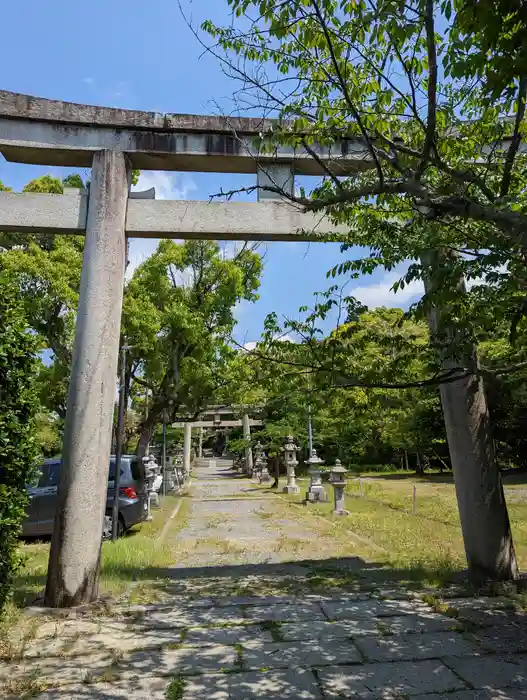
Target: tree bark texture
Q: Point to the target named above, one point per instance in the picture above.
(480, 496)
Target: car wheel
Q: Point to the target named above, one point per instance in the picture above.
(107, 527)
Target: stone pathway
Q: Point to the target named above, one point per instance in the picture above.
(259, 605)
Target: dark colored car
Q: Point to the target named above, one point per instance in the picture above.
(44, 497)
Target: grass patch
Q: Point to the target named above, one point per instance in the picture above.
(24, 687)
(426, 547)
(134, 557)
(175, 689)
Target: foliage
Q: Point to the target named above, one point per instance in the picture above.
(177, 318)
(430, 95)
(18, 448)
(345, 378)
(46, 269)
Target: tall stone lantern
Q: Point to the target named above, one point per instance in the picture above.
(338, 481)
(258, 460)
(265, 477)
(289, 451)
(316, 491)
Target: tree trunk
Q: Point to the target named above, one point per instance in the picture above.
(482, 509)
(479, 490)
(418, 465)
(148, 427)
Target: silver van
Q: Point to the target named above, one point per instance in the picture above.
(43, 498)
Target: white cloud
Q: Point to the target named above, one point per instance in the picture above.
(381, 294)
(287, 338)
(251, 344)
(88, 81)
(167, 186)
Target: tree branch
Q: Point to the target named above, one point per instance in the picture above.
(516, 138)
(432, 87)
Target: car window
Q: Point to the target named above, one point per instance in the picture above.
(136, 469)
(111, 473)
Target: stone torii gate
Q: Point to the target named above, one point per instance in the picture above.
(112, 142)
(217, 420)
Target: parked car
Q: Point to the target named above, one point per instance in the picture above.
(44, 497)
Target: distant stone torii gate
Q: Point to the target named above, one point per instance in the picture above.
(218, 420)
(112, 142)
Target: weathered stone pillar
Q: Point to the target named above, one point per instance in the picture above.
(200, 449)
(289, 451)
(76, 543)
(248, 449)
(257, 466)
(265, 477)
(338, 482)
(316, 491)
(187, 445)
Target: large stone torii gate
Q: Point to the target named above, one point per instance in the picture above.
(112, 142)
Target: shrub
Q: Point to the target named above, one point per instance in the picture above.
(18, 449)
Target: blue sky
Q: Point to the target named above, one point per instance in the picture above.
(141, 55)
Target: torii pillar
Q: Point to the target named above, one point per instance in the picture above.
(248, 449)
(200, 448)
(187, 444)
(76, 543)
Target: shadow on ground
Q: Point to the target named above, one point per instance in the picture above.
(332, 574)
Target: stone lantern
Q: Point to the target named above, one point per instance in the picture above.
(316, 491)
(338, 481)
(265, 477)
(258, 460)
(289, 451)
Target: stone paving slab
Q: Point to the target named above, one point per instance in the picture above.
(506, 638)
(429, 645)
(346, 610)
(492, 672)
(299, 684)
(210, 636)
(186, 660)
(255, 600)
(393, 593)
(323, 629)
(58, 671)
(195, 617)
(485, 611)
(388, 680)
(295, 654)
(507, 694)
(480, 603)
(146, 688)
(112, 636)
(285, 613)
(422, 622)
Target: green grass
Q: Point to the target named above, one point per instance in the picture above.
(427, 546)
(175, 689)
(134, 557)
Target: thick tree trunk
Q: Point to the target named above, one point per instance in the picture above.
(148, 427)
(479, 490)
(482, 509)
